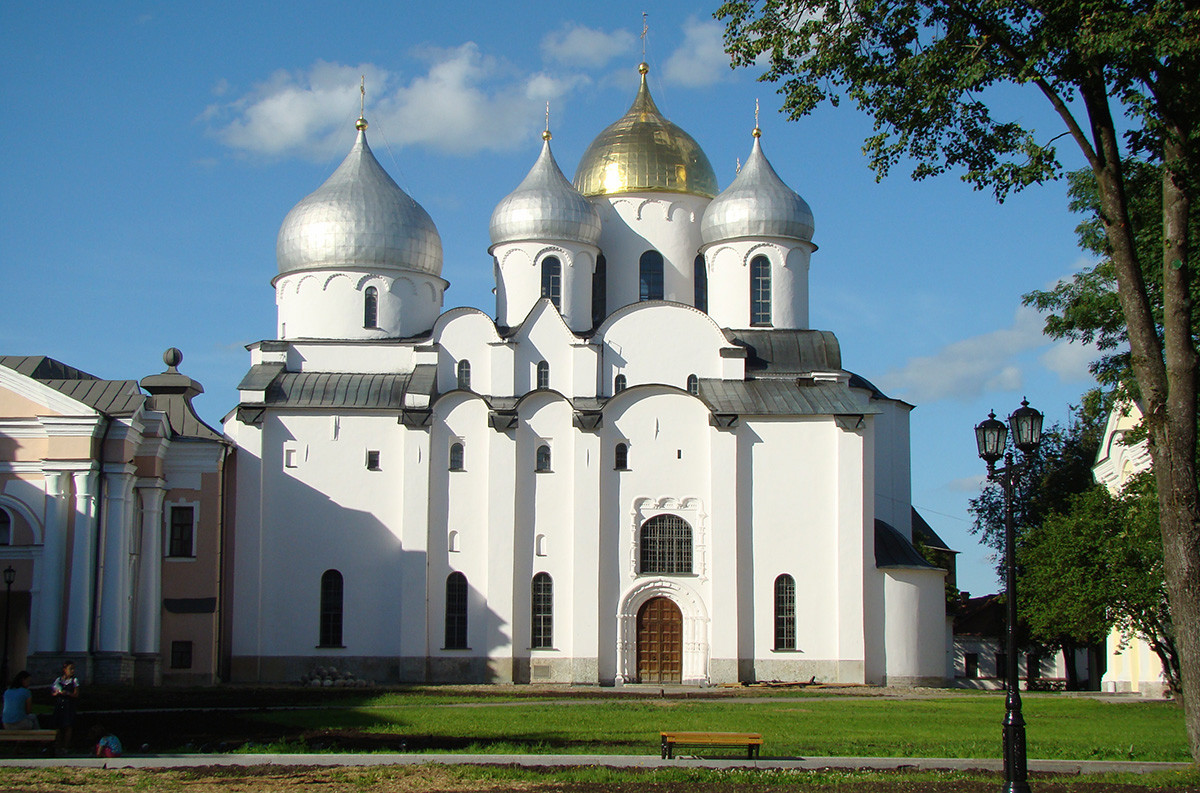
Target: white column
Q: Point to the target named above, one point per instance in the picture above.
(147, 637)
(47, 633)
(83, 564)
(115, 596)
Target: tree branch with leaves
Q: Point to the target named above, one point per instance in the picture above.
(925, 71)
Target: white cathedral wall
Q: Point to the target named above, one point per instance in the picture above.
(729, 281)
(335, 356)
(328, 304)
(320, 508)
(468, 334)
(893, 468)
(915, 633)
(805, 520)
(634, 223)
(519, 285)
(688, 343)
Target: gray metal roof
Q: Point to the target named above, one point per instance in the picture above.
(782, 398)
(260, 376)
(925, 533)
(392, 391)
(789, 352)
(110, 397)
(893, 550)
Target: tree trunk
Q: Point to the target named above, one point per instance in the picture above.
(1166, 377)
(1173, 442)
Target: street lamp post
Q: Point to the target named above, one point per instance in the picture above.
(991, 435)
(10, 575)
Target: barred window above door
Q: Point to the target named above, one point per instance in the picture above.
(665, 546)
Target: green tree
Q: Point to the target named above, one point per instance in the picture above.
(1097, 566)
(1085, 307)
(923, 69)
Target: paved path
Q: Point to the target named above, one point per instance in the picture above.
(612, 761)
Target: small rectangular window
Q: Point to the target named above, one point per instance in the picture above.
(372, 460)
(181, 655)
(289, 458)
(181, 543)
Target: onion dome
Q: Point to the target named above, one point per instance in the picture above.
(545, 207)
(643, 152)
(359, 218)
(757, 204)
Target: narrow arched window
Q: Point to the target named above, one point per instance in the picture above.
(456, 611)
(621, 457)
(651, 276)
(700, 283)
(5, 527)
(456, 456)
(693, 385)
(452, 542)
(542, 607)
(785, 612)
(543, 374)
(331, 609)
(542, 464)
(599, 290)
(552, 280)
(665, 546)
(464, 374)
(371, 308)
(760, 291)
(619, 384)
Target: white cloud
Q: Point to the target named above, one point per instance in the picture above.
(576, 45)
(968, 368)
(1070, 361)
(464, 102)
(701, 59)
(966, 484)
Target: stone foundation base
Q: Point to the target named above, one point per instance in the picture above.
(45, 667)
(112, 669)
(147, 669)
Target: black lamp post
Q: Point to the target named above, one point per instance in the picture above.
(10, 575)
(990, 435)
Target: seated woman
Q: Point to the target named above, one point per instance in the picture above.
(18, 705)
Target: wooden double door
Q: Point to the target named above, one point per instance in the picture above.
(659, 642)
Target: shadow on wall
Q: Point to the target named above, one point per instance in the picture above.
(338, 588)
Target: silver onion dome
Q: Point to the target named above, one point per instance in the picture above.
(359, 218)
(757, 204)
(545, 206)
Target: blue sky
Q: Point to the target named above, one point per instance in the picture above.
(152, 150)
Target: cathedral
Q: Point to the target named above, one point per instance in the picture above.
(646, 467)
(643, 467)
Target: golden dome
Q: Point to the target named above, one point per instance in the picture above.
(643, 152)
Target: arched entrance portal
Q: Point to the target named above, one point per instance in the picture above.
(659, 642)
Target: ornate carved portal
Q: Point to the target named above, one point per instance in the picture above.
(659, 642)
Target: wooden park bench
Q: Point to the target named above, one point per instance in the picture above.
(25, 736)
(751, 740)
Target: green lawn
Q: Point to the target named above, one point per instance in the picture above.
(951, 726)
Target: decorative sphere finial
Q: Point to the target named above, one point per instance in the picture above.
(643, 68)
(172, 357)
(361, 124)
(546, 135)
